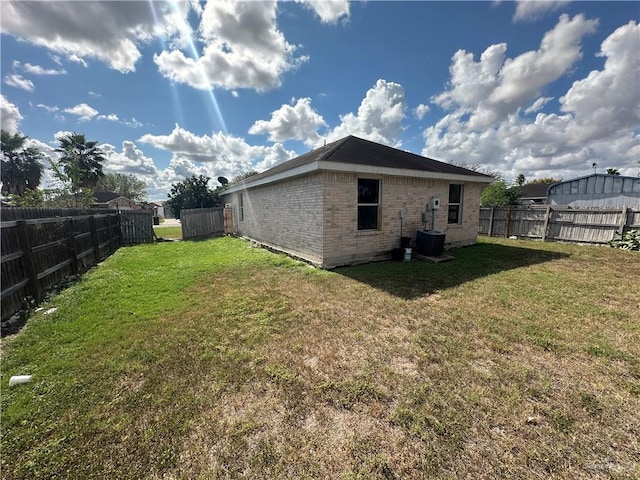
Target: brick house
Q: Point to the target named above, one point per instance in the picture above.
(113, 201)
(349, 201)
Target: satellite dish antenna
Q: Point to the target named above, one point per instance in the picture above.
(223, 181)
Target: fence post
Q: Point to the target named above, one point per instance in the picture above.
(29, 266)
(71, 245)
(507, 223)
(623, 220)
(547, 214)
(94, 238)
(110, 230)
(491, 221)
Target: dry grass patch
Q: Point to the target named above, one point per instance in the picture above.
(516, 360)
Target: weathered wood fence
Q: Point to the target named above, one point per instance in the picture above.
(136, 226)
(202, 222)
(41, 248)
(551, 223)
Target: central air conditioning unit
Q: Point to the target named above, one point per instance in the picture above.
(435, 203)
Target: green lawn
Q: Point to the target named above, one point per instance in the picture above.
(213, 359)
(168, 232)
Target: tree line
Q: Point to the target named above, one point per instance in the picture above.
(77, 174)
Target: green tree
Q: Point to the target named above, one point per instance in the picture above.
(125, 185)
(476, 167)
(65, 194)
(520, 179)
(81, 161)
(613, 171)
(243, 175)
(193, 192)
(499, 194)
(543, 180)
(21, 167)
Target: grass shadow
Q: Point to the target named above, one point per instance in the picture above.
(410, 280)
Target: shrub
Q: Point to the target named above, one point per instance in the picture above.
(629, 240)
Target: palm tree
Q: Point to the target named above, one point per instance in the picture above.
(81, 160)
(520, 179)
(613, 171)
(21, 167)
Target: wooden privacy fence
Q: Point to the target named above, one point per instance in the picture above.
(551, 223)
(202, 222)
(41, 248)
(136, 226)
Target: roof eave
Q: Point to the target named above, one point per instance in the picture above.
(320, 165)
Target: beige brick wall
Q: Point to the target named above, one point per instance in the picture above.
(285, 215)
(344, 244)
(301, 217)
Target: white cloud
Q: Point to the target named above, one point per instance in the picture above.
(83, 111)
(130, 160)
(107, 31)
(472, 81)
(243, 48)
(329, 11)
(9, 115)
(538, 104)
(292, 122)
(76, 59)
(608, 100)
(38, 70)
(532, 10)
(48, 108)
(18, 81)
(112, 117)
(421, 110)
(379, 116)
(494, 88)
(220, 154)
(94, 94)
(598, 123)
(133, 123)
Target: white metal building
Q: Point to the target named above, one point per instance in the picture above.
(596, 190)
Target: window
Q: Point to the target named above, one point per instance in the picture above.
(368, 203)
(455, 203)
(241, 208)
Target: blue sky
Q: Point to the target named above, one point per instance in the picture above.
(172, 89)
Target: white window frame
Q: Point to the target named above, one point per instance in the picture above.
(455, 204)
(377, 205)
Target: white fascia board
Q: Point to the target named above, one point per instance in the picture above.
(401, 172)
(294, 172)
(358, 169)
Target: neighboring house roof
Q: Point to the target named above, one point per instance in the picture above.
(362, 156)
(534, 190)
(105, 197)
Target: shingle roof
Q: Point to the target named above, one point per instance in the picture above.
(535, 190)
(105, 197)
(358, 151)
